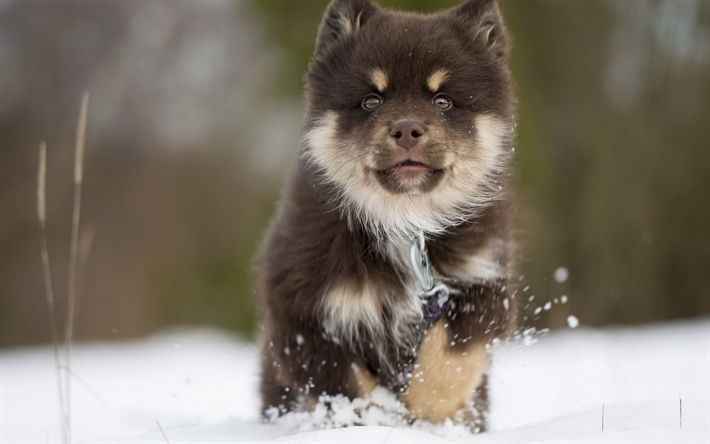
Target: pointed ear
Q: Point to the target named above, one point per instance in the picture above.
(343, 19)
(486, 24)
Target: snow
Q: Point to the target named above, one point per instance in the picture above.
(561, 274)
(201, 386)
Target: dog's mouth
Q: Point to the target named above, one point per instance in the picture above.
(409, 176)
(410, 167)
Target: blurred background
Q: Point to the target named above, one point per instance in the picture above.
(194, 122)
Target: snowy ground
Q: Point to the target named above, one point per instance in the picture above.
(201, 387)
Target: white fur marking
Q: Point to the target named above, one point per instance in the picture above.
(484, 264)
(491, 133)
(468, 187)
(347, 308)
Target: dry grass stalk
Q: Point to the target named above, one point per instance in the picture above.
(42, 219)
(74, 250)
(162, 431)
(86, 240)
(602, 417)
(680, 400)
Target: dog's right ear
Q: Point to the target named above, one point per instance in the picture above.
(343, 19)
(486, 24)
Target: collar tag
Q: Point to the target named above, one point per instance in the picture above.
(433, 295)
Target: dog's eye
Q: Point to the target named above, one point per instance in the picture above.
(442, 102)
(372, 102)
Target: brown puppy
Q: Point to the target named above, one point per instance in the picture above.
(389, 259)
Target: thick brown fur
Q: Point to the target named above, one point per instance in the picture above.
(337, 295)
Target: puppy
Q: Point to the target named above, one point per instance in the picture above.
(389, 259)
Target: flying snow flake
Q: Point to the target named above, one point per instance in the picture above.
(548, 305)
(561, 274)
(572, 321)
(563, 299)
(528, 341)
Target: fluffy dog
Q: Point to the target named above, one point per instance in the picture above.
(389, 259)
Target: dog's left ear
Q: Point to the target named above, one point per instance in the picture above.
(343, 19)
(486, 24)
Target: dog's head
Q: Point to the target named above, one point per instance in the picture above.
(409, 115)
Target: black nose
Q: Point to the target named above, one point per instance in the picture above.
(407, 134)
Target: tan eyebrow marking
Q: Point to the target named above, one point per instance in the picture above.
(379, 79)
(437, 79)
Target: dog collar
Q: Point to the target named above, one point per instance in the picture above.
(434, 296)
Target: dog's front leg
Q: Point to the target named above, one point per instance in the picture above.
(445, 379)
(449, 376)
(301, 364)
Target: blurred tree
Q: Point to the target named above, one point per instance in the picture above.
(620, 185)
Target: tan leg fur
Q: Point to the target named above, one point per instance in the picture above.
(363, 380)
(444, 381)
